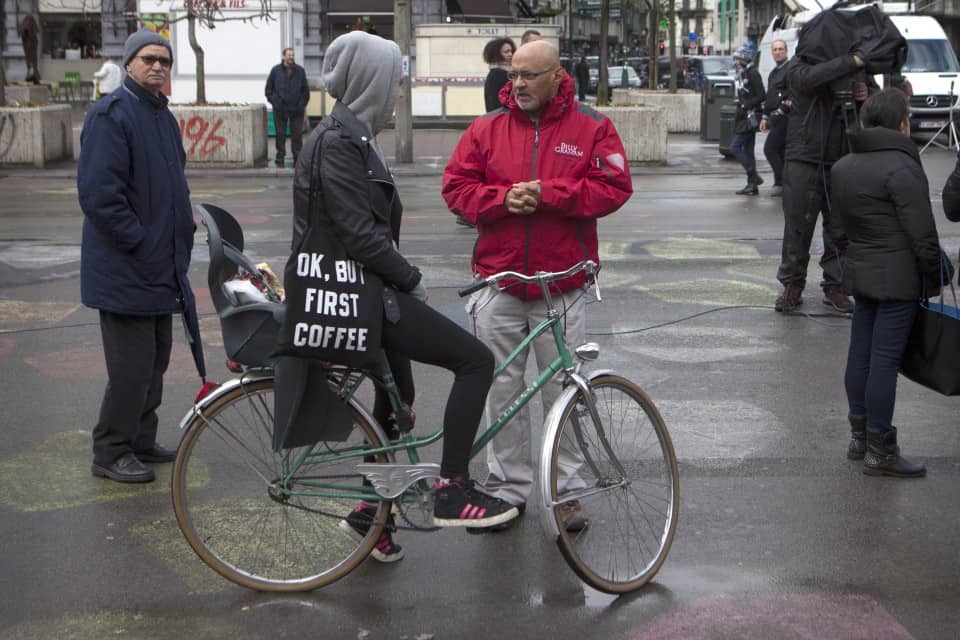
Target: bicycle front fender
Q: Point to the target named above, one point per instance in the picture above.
(551, 427)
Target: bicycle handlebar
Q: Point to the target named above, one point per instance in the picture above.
(540, 276)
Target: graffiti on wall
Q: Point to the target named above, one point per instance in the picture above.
(200, 139)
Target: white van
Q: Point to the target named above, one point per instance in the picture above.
(931, 66)
(932, 70)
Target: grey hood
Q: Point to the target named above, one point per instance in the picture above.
(362, 72)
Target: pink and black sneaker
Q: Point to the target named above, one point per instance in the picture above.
(358, 523)
(460, 504)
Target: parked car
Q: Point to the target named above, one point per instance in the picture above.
(615, 75)
(697, 68)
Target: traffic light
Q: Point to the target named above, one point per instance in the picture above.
(662, 48)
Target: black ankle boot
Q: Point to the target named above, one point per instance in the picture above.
(858, 437)
(749, 190)
(883, 457)
(755, 179)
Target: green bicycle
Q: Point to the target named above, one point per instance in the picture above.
(270, 520)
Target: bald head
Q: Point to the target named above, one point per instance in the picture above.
(540, 53)
(536, 74)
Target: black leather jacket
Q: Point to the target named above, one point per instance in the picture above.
(356, 198)
(750, 98)
(773, 107)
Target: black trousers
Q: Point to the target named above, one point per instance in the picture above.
(425, 335)
(776, 146)
(280, 120)
(137, 352)
(806, 189)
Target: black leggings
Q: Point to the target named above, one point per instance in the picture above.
(427, 336)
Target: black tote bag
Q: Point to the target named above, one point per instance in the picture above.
(932, 354)
(334, 307)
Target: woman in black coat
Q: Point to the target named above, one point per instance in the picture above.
(498, 53)
(883, 200)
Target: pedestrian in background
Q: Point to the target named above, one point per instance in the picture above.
(530, 35)
(108, 78)
(775, 109)
(816, 139)
(750, 96)
(287, 90)
(893, 255)
(582, 71)
(498, 54)
(536, 210)
(137, 238)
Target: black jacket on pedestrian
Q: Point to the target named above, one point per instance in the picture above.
(582, 71)
(750, 99)
(815, 126)
(496, 78)
(777, 92)
(359, 201)
(288, 93)
(882, 199)
(951, 194)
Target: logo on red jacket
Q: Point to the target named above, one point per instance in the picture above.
(565, 149)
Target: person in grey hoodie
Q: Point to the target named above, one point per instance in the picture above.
(359, 202)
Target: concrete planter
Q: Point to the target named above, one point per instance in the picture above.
(681, 109)
(643, 131)
(32, 94)
(35, 135)
(223, 136)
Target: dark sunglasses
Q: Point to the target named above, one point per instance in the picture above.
(152, 60)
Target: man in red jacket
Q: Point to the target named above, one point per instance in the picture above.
(534, 176)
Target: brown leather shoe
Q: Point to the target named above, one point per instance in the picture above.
(573, 517)
(790, 299)
(836, 299)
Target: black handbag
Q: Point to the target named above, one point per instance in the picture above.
(931, 355)
(334, 307)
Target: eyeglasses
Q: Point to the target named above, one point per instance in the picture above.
(528, 75)
(152, 60)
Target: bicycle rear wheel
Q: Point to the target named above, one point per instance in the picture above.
(624, 475)
(267, 520)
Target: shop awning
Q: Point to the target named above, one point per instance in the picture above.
(480, 8)
(69, 6)
(360, 8)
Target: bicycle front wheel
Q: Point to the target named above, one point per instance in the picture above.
(271, 521)
(622, 474)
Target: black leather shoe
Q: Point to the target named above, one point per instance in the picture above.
(156, 453)
(126, 468)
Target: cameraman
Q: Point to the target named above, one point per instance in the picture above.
(775, 109)
(823, 96)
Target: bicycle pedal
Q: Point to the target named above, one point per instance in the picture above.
(391, 480)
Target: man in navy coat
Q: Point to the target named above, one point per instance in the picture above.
(137, 237)
(287, 90)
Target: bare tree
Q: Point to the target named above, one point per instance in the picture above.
(602, 80)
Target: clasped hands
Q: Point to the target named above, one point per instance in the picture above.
(523, 198)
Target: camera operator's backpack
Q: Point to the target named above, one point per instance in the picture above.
(867, 31)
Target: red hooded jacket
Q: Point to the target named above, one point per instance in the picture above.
(577, 155)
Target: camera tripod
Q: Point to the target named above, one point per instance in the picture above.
(948, 127)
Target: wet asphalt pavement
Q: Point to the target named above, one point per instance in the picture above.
(780, 536)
